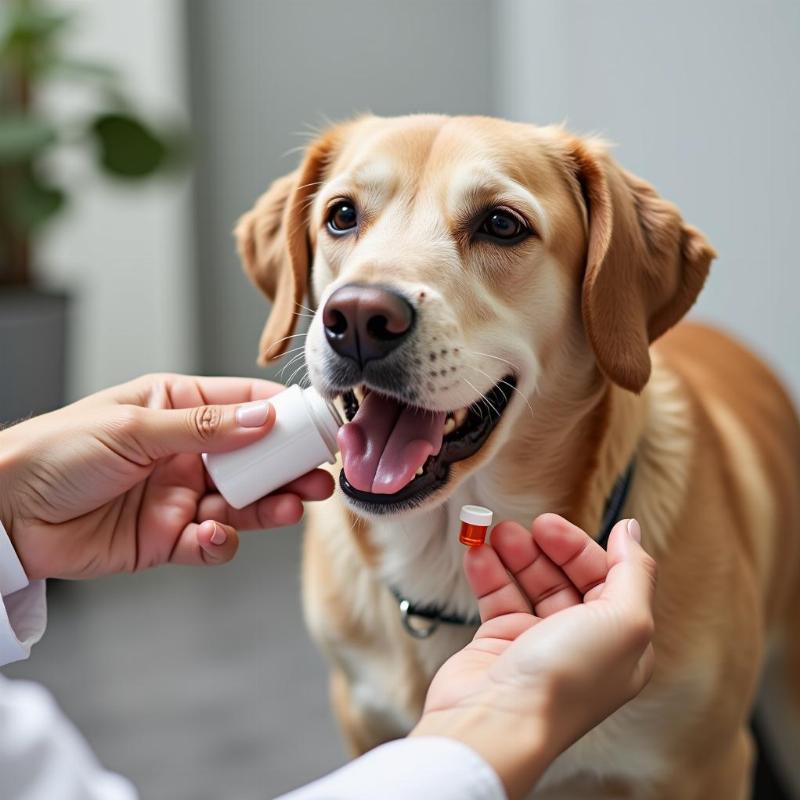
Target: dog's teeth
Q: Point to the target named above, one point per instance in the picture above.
(419, 471)
(460, 417)
(358, 391)
(454, 420)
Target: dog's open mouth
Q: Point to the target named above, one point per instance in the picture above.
(395, 455)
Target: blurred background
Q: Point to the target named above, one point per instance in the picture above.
(133, 135)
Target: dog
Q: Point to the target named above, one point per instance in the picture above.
(495, 309)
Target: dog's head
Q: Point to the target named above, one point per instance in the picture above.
(448, 259)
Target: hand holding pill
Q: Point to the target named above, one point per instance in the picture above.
(557, 611)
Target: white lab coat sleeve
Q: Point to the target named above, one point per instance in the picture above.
(425, 768)
(23, 618)
(42, 755)
(23, 607)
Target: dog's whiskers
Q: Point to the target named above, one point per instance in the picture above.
(309, 202)
(483, 397)
(497, 358)
(292, 360)
(299, 369)
(290, 336)
(289, 363)
(310, 183)
(294, 350)
(292, 150)
(274, 344)
(505, 383)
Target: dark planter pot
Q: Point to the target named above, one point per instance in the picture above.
(33, 351)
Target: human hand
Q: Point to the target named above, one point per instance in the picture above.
(115, 482)
(565, 641)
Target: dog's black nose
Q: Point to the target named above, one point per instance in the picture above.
(366, 323)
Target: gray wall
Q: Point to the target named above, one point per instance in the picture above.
(702, 100)
(263, 72)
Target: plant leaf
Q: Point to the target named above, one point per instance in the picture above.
(26, 31)
(32, 203)
(22, 137)
(77, 69)
(128, 148)
(22, 23)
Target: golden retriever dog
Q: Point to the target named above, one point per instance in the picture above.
(493, 305)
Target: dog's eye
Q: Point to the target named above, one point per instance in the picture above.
(503, 225)
(342, 217)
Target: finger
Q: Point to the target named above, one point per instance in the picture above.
(273, 511)
(631, 578)
(315, 485)
(496, 592)
(172, 390)
(580, 558)
(186, 391)
(199, 429)
(543, 583)
(598, 589)
(208, 543)
(629, 589)
(269, 512)
(508, 626)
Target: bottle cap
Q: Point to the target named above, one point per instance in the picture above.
(326, 417)
(476, 515)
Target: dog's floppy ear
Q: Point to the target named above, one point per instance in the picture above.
(274, 245)
(644, 265)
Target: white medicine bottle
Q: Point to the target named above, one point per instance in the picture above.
(303, 437)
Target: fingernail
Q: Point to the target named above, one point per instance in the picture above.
(219, 536)
(252, 415)
(634, 531)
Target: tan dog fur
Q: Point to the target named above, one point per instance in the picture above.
(612, 268)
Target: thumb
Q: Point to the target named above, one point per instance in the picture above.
(631, 579)
(211, 428)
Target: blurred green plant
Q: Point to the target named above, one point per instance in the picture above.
(123, 144)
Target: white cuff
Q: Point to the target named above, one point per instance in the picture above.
(23, 608)
(12, 576)
(425, 768)
(23, 618)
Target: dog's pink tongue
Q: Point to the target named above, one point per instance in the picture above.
(386, 443)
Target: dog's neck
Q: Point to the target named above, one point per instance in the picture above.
(562, 456)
